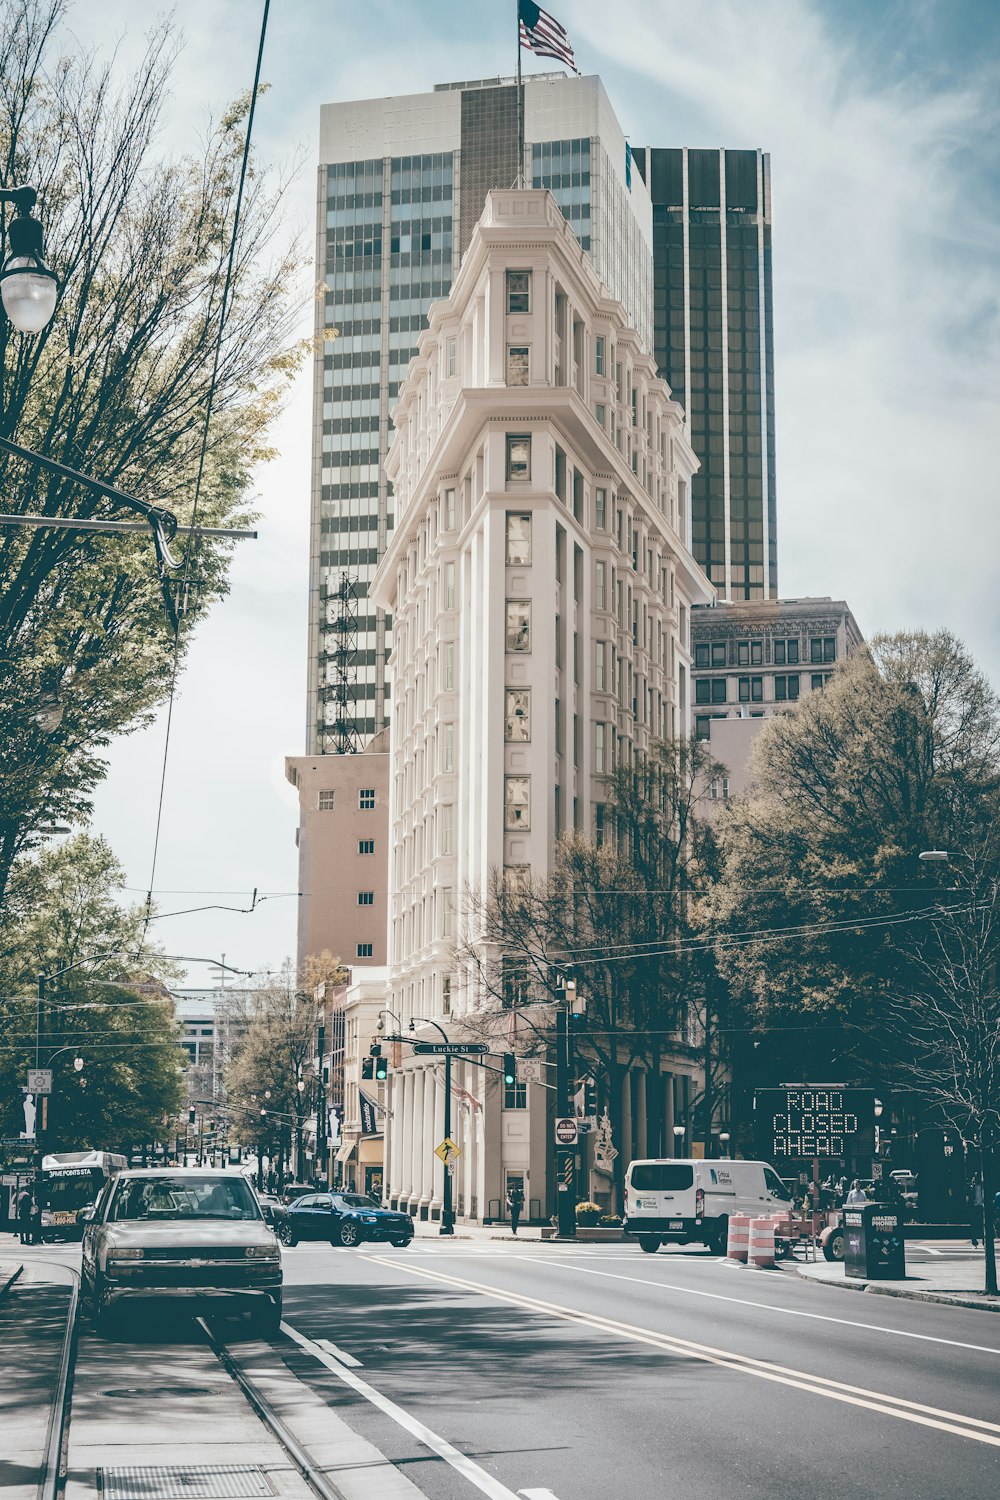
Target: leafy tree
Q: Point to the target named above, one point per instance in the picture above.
(118, 386)
(273, 1027)
(620, 916)
(104, 1001)
(822, 896)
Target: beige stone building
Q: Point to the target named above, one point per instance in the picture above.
(343, 839)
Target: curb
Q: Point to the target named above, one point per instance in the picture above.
(943, 1299)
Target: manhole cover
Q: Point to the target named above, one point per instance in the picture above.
(190, 1482)
(164, 1390)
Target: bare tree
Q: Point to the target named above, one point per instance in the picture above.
(948, 1026)
(621, 917)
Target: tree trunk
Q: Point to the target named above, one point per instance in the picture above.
(988, 1178)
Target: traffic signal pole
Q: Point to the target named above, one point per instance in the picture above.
(447, 1209)
(565, 1155)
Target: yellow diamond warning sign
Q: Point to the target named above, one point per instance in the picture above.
(447, 1150)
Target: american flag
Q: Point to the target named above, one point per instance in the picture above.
(542, 34)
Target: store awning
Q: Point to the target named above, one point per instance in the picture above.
(346, 1150)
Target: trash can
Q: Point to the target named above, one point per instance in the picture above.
(873, 1243)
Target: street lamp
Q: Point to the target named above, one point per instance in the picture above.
(28, 287)
(680, 1131)
(724, 1142)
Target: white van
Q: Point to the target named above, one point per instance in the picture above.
(680, 1200)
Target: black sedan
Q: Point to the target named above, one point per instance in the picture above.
(343, 1219)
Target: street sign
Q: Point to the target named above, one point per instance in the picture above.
(566, 1131)
(449, 1049)
(39, 1080)
(447, 1151)
(529, 1069)
(807, 1120)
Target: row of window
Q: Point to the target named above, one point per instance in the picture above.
(326, 800)
(751, 653)
(751, 689)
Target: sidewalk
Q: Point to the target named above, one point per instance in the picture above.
(430, 1229)
(957, 1283)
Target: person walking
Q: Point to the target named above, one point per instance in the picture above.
(25, 1211)
(515, 1202)
(856, 1195)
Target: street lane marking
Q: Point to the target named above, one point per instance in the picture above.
(439, 1445)
(791, 1312)
(976, 1428)
(338, 1353)
(537, 1494)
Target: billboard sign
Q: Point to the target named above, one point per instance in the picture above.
(801, 1122)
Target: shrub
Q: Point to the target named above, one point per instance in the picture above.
(611, 1221)
(587, 1213)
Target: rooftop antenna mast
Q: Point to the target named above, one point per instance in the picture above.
(341, 736)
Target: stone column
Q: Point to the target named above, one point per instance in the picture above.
(625, 1144)
(416, 1135)
(641, 1136)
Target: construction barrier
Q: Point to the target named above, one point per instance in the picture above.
(761, 1251)
(738, 1241)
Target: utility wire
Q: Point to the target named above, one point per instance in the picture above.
(185, 578)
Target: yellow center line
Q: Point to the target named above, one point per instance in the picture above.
(893, 1406)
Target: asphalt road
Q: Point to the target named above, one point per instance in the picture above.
(599, 1372)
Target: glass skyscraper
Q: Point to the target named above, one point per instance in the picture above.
(402, 184)
(713, 344)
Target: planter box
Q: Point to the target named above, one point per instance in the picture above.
(598, 1232)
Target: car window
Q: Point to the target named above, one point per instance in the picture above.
(661, 1177)
(157, 1198)
(321, 1201)
(308, 1200)
(358, 1200)
(774, 1184)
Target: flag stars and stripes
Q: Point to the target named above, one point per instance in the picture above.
(543, 35)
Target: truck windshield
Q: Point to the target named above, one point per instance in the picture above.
(155, 1198)
(661, 1177)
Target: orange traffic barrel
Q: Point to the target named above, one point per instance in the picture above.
(738, 1242)
(761, 1250)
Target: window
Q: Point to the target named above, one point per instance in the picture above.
(600, 749)
(601, 510)
(600, 666)
(786, 651)
(779, 653)
(518, 457)
(451, 355)
(326, 800)
(823, 648)
(447, 911)
(446, 994)
(703, 690)
(703, 727)
(517, 364)
(719, 790)
(449, 510)
(601, 586)
(518, 292)
(515, 1096)
(447, 747)
(786, 687)
(756, 689)
(365, 950)
(600, 414)
(446, 828)
(447, 666)
(516, 802)
(448, 591)
(366, 898)
(366, 846)
(701, 656)
(517, 716)
(661, 1177)
(744, 690)
(599, 356)
(756, 653)
(817, 681)
(743, 653)
(366, 798)
(719, 655)
(518, 540)
(518, 628)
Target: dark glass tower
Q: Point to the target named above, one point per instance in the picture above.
(712, 339)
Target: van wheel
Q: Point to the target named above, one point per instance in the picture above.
(718, 1241)
(649, 1243)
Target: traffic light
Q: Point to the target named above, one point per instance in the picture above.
(375, 1050)
(509, 1070)
(367, 1067)
(191, 1116)
(590, 1097)
(381, 1068)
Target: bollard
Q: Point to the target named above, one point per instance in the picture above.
(761, 1252)
(738, 1241)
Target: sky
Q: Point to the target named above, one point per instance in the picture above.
(881, 120)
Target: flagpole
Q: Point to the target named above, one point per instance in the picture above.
(519, 179)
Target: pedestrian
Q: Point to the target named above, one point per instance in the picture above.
(856, 1195)
(25, 1211)
(515, 1202)
(976, 1204)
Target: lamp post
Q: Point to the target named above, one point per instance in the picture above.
(447, 1209)
(724, 1144)
(680, 1131)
